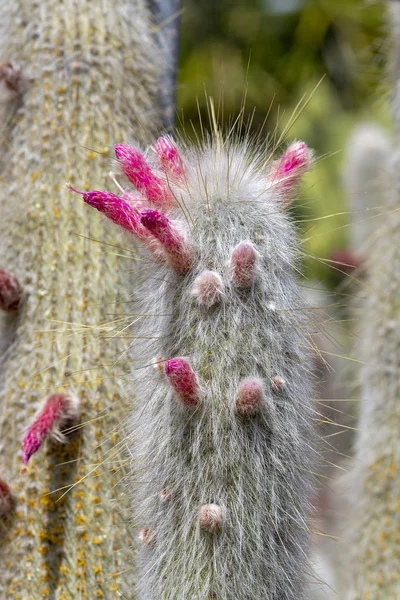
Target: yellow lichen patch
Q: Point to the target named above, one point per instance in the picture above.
(80, 520)
(34, 176)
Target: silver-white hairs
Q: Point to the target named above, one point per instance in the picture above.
(220, 431)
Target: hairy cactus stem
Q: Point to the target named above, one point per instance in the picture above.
(226, 435)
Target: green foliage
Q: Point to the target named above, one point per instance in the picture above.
(274, 56)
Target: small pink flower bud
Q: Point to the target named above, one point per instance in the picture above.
(57, 412)
(212, 517)
(208, 288)
(184, 381)
(147, 537)
(178, 251)
(250, 396)
(10, 291)
(243, 265)
(136, 168)
(7, 501)
(169, 159)
(277, 384)
(288, 170)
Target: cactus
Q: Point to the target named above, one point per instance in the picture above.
(372, 572)
(90, 75)
(221, 434)
(366, 177)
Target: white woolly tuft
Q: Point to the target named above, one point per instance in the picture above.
(255, 467)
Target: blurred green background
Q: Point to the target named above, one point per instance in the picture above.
(330, 53)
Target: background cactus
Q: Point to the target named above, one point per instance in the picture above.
(221, 434)
(374, 484)
(90, 70)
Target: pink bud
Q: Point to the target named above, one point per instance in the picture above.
(277, 384)
(169, 159)
(243, 265)
(184, 381)
(140, 174)
(57, 412)
(212, 517)
(179, 252)
(10, 291)
(7, 501)
(250, 396)
(208, 288)
(288, 170)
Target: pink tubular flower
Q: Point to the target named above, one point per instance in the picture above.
(290, 168)
(58, 411)
(140, 174)
(178, 251)
(243, 265)
(169, 158)
(184, 381)
(117, 209)
(250, 396)
(10, 291)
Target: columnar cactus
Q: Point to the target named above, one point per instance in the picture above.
(90, 74)
(221, 433)
(373, 527)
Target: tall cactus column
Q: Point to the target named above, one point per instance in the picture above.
(89, 78)
(221, 434)
(374, 539)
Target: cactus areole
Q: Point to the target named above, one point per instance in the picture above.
(221, 431)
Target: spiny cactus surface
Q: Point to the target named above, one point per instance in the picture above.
(221, 434)
(90, 73)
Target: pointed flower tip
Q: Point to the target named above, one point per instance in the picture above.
(72, 189)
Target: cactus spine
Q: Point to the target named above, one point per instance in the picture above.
(221, 434)
(90, 72)
(373, 571)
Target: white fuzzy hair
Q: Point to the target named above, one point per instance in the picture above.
(257, 467)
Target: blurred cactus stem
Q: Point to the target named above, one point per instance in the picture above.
(373, 539)
(90, 77)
